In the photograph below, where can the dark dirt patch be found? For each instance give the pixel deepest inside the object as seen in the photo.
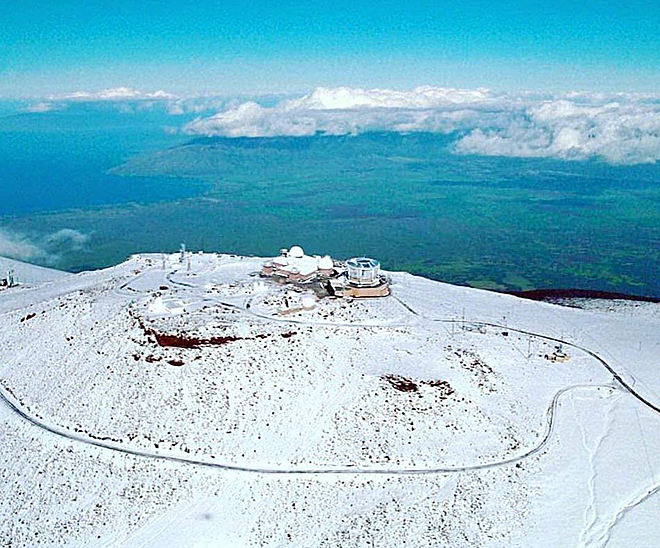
(183, 341)
(178, 363)
(179, 340)
(443, 386)
(404, 384)
(28, 317)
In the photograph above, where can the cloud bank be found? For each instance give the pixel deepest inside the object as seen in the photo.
(114, 94)
(616, 128)
(130, 100)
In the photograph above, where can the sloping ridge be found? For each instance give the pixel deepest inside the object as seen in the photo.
(30, 273)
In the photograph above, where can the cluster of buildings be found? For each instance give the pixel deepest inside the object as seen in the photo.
(357, 277)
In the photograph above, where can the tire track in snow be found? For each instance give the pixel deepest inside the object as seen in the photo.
(606, 535)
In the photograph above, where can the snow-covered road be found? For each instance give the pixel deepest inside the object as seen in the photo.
(292, 431)
(550, 426)
(123, 289)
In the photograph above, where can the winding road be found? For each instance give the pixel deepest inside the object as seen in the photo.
(551, 411)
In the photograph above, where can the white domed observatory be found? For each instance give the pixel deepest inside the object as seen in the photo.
(296, 252)
(357, 277)
(325, 265)
(293, 266)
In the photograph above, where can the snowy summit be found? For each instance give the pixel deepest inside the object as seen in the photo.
(187, 400)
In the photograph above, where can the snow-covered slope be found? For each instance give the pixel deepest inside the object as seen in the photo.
(26, 273)
(155, 404)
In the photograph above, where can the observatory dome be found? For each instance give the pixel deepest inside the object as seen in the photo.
(325, 263)
(296, 252)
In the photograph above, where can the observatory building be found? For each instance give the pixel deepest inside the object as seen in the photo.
(357, 277)
(294, 266)
(363, 271)
(363, 279)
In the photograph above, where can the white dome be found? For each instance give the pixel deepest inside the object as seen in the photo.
(325, 263)
(296, 252)
(308, 303)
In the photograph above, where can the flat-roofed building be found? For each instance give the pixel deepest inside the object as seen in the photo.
(294, 266)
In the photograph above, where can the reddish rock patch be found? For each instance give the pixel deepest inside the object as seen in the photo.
(184, 341)
(443, 386)
(402, 384)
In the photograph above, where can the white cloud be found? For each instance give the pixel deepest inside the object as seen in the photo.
(42, 106)
(118, 93)
(129, 100)
(68, 237)
(623, 131)
(46, 249)
(18, 246)
(618, 128)
(76, 95)
(350, 110)
(160, 94)
(115, 94)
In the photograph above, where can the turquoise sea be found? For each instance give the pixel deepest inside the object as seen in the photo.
(129, 184)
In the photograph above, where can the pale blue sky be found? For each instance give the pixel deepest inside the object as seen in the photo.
(257, 47)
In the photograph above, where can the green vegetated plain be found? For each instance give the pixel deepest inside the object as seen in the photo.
(496, 223)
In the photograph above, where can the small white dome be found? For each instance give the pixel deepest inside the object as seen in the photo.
(308, 303)
(296, 252)
(325, 263)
